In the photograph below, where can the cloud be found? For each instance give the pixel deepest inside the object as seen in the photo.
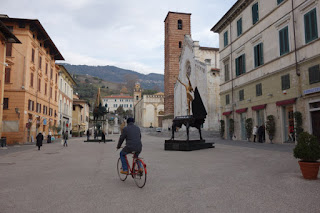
(128, 34)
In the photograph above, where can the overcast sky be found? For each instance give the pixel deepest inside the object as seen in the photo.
(124, 33)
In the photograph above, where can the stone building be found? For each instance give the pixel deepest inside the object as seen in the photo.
(201, 65)
(149, 110)
(6, 40)
(112, 102)
(31, 81)
(176, 25)
(66, 84)
(269, 54)
(80, 116)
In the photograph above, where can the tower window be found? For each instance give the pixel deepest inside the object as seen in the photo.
(179, 24)
(137, 98)
(180, 44)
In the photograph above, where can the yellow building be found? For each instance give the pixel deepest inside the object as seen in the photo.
(6, 38)
(31, 82)
(80, 116)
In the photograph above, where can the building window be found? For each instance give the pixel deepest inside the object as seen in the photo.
(225, 38)
(227, 99)
(51, 73)
(32, 56)
(180, 44)
(241, 95)
(255, 13)
(314, 74)
(284, 41)
(285, 82)
(9, 49)
(46, 68)
(258, 55)
(40, 62)
(39, 85)
(259, 89)
(6, 103)
(56, 78)
(310, 25)
(31, 80)
(179, 24)
(55, 95)
(226, 72)
(240, 65)
(239, 27)
(137, 98)
(279, 1)
(50, 92)
(7, 75)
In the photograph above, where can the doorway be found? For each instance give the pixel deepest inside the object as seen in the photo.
(243, 126)
(288, 123)
(315, 118)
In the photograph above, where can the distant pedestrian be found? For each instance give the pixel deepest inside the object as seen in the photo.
(39, 140)
(254, 132)
(49, 136)
(88, 135)
(103, 137)
(65, 137)
(260, 134)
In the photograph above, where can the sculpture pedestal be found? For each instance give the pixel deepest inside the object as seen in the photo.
(184, 145)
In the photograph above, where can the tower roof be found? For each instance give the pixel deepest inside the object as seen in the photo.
(176, 13)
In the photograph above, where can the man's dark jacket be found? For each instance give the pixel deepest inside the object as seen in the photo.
(132, 135)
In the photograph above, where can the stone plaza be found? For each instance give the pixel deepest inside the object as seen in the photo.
(235, 176)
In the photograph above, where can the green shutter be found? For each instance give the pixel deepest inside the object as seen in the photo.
(237, 66)
(243, 64)
(239, 27)
(279, 1)
(261, 53)
(310, 26)
(255, 13)
(255, 50)
(225, 38)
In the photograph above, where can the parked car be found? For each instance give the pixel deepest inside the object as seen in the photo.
(158, 129)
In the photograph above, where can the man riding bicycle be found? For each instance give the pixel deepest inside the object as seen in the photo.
(131, 133)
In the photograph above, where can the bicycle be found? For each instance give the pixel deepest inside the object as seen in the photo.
(138, 173)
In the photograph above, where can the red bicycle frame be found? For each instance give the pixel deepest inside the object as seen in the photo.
(134, 161)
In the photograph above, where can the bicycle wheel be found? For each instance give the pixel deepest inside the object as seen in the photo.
(140, 177)
(122, 177)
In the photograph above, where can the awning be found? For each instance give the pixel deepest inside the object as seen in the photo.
(241, 110)
(227, 113)
(286, 102)
(259, 107)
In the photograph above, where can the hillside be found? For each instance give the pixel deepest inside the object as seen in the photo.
(118, 75)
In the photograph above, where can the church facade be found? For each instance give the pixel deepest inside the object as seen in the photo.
(201, 66)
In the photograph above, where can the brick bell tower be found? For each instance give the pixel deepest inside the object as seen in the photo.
(176, 25)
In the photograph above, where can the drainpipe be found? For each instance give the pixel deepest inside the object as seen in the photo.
(295, 41)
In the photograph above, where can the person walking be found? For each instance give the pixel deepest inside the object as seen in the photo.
(65, 137)
(254, 132)
(39, 140)
(103, 137)
(49, 136)
(88, 134)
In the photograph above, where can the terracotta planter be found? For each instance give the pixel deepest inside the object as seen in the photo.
(309, 169)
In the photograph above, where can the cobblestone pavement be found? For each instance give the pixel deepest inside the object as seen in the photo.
(235, 176)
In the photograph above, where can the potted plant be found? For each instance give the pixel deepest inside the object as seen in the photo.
(249, 127)
(270, 126)
(222, 126)
(231, 128)
(308, 150)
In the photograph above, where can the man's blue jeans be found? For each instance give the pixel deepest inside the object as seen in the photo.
(124, 162)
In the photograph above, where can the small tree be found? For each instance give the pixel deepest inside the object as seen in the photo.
(270, 127)
(231, 128)
(298, 119)
(222, 127)
(249, 127)
(308, 148)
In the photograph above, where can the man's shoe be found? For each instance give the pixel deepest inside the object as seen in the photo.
(141, 170)
(124, 172)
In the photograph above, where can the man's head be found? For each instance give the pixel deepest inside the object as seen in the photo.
(130, 120)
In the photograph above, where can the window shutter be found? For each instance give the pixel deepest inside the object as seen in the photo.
(256, 56)
(255, 13)
(261, 53)
(243, 63)
(313, 22)
(237, 66)
(307, 27)
(9, 49)
(7, 75)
